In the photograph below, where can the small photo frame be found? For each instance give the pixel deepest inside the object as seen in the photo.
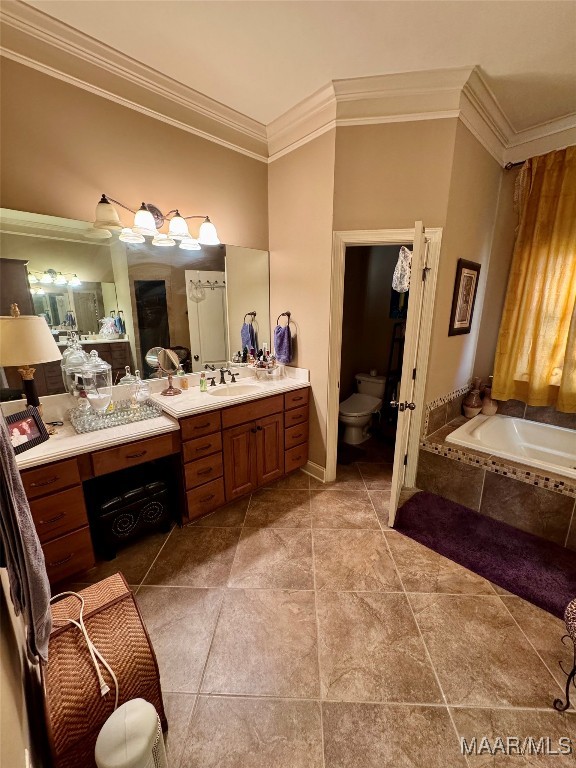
(26, 429)
(465, 288)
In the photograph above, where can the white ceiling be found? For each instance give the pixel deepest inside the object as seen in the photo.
(263, 57)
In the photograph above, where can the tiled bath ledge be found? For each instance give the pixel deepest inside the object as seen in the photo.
(491, 486)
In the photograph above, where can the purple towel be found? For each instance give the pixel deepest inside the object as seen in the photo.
(248, 336)
(283, 343)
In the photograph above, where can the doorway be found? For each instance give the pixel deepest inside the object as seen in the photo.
(425, 245)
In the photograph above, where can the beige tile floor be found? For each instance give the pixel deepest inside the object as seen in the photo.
(295, 629)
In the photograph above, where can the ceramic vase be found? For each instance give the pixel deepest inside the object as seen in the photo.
(472, 404)
(489, 406)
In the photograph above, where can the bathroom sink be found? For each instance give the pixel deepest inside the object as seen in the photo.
(234, 390)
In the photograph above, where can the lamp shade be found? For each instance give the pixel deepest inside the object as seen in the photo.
(207, 234)
(129, 236)
(26, 340)
(163, 241)
(190, 244)
(106, 215)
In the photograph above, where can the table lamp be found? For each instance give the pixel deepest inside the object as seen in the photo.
(26, 340)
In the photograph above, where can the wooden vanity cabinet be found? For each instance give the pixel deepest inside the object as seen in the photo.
(56, 499)
(253, 455)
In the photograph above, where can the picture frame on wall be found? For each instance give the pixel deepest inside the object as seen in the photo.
(26, 429)
(464, 297)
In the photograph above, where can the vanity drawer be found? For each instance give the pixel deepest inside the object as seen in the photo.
(113, 459)
(202, 471)
(206, 498)
(296, 416)
(59, 513)
(296, 436)
(204, 424)
(295, 457)
(257, 409)
(297, 398)
(50, 478)
(68, 555)
(202, 446)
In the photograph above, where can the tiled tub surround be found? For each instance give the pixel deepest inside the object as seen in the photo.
(294, 630)
(542, 504)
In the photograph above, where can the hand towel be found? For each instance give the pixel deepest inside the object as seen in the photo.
(283, 343)
(21, 554)
(248, 336)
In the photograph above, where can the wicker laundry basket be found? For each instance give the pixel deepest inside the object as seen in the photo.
(74, 709)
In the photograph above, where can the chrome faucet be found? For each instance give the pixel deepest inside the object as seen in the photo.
(209, 367)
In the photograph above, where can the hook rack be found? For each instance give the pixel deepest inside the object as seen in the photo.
(284, 314)
(251, 314)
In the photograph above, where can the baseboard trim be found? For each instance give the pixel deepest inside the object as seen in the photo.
(315, 470)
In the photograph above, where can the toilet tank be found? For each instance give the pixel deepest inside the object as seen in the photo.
(371, 385)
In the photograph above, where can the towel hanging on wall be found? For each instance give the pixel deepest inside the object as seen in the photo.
(401, 276)
(283, 340)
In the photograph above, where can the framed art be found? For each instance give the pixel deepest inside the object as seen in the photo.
(26, 429)
(465, 288)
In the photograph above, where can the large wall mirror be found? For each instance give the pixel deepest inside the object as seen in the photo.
(194, 302)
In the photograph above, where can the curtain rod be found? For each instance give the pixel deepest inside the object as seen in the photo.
(508, 166)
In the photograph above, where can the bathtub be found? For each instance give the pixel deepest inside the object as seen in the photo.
(542, 446)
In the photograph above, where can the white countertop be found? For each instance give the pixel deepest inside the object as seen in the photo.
(66, 442)
(87, 342)
(193, 401)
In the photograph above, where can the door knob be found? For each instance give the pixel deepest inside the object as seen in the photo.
(402, 406)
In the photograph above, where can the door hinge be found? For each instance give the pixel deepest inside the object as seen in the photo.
(413, 374)
(425, 271)
(405, 459)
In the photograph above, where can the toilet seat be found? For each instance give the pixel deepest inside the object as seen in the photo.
(359, 405)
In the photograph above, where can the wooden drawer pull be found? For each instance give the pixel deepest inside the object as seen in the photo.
(297, 458)
(297, 436)
(61, 562)
(296, 399)
(204, 447)
(206, 471)
(45, 482)
(202, 426)
(136, 455)
(207, 498)
(53, 519)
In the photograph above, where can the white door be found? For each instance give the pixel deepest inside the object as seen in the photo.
(405, 403)
(207, 318)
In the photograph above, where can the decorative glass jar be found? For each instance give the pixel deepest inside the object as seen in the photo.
(97, 382)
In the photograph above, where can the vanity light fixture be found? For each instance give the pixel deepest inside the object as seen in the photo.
(32, 278)
(74, 281)
(148, 219)
(51, 277)
(47, 278)
(60, 279)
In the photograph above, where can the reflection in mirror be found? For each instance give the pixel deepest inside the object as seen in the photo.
(191, 302)
(168, 361)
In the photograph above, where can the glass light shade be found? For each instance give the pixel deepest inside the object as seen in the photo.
(106, 215)
(190, 244)
(46, 278)
(98, 234)
(26, 340)
(178, 228)
(40, 292)
(144, 223)
(208, 234)
(32, 291)
(32, 278)
(163, 240)
(74, 281)
(129, 236)
(60, 279)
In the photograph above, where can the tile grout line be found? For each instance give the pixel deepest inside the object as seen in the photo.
(424, 644)
(317, 630)
(154, 560)
(529, 642)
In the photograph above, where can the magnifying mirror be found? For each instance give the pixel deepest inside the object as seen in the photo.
(167, 361)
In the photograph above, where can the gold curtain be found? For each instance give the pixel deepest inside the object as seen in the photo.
(536, 353)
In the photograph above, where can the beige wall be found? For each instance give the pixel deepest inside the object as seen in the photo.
(472, 204)
(497, 278)
(389, 176)
(62, 147)
(300, 195)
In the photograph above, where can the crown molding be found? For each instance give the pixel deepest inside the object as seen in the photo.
(35, 39)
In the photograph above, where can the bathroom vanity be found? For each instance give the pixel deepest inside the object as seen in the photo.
(223, 446)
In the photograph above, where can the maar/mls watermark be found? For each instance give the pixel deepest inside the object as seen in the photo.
(514, 745)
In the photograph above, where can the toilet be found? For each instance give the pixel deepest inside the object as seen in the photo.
(356, 411)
